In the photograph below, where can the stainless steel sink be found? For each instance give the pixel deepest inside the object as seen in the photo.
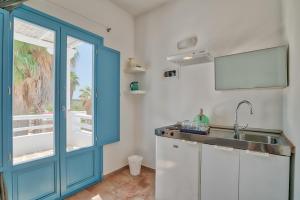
(266, 139)
(252, 139)
(255, 136)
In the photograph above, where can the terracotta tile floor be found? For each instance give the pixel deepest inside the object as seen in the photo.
(121, 186)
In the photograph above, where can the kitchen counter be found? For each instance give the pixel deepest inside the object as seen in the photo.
(278, 144)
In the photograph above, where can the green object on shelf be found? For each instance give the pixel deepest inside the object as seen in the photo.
(134, 86)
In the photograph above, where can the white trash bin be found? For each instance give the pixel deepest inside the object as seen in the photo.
(135, 163)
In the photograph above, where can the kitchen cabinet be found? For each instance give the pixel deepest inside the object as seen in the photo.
(264, 68)
(232, 174)
(263, 176)
(219, 173)
(177, 169)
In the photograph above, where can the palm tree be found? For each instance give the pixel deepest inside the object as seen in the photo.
(86, 98)
(75, 57)
(74, 83)
(33, 81)
(33, 78)
(25, 65)
(74, 79)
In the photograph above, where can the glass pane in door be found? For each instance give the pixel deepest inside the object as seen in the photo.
(80, 62)
(33, 91)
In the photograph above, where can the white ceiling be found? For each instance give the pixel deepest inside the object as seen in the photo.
(138, 7)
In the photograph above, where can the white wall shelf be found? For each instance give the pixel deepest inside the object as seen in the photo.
(136, 70)
(137, 92)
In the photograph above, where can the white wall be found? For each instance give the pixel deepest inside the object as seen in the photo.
(292, 93)
(120, 38)
(23, 144)
(222, 27)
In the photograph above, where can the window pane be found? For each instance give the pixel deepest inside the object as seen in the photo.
(33, 92)
(80, 62)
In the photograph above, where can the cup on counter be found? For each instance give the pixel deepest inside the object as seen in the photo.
(186, 124)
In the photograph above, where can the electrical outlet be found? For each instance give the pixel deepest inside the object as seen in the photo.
(170, 73)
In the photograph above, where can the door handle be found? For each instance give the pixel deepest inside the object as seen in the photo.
(96, 140)
(175, 146)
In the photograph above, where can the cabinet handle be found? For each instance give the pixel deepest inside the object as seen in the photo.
(255, 153)
(223, 148)
(175, 146)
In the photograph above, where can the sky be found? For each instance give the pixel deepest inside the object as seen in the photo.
(84, 67)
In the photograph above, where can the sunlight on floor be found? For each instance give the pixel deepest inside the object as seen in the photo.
(97, 197)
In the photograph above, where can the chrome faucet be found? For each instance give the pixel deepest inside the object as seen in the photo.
(236, 126)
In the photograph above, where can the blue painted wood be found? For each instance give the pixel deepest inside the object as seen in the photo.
(63, 103)
(36, 183)
(76, 171)
(78, 188)
(109, 105)
(75, 174)
(11, 172)
(2, 14)
(6, 104)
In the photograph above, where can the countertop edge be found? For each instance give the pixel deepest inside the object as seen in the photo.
(287, 149)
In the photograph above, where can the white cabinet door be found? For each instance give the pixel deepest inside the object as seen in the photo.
(177, 169)
(263, 176)
(219, 173)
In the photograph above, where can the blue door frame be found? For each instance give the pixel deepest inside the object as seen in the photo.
(62, 165)
(3, 62)
(4, 82)
(75, 174)
(19, 175)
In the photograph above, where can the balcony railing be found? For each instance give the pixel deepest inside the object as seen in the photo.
(35, 124)
(81, 122)
(33, 134)
(26, 124)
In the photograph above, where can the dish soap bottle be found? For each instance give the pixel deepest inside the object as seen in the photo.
(201, 119)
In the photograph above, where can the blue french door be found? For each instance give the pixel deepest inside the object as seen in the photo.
(80, 149)
(50, 105)
(32, 107)
(60, 97)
